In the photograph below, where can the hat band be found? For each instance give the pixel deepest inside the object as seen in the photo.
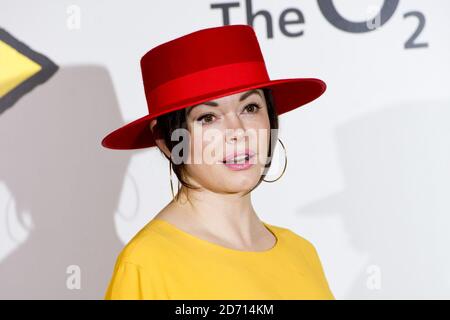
(205, 82)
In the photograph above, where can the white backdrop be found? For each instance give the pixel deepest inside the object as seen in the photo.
(368, 175)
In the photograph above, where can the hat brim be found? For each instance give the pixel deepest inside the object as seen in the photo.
(288, 94)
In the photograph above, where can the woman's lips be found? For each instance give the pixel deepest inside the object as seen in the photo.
(242, 165)
(231, 156)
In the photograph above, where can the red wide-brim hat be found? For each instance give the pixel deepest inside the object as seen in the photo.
(202, 66)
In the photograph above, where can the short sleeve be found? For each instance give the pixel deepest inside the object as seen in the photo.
(126, 282)
(317, 264)
(131, 281)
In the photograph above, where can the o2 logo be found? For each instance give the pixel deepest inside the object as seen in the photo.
(328, 10)
(385, 13)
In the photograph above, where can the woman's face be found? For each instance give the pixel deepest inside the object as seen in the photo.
(238, 123)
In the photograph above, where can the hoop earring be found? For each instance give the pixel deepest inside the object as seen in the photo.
(171, 184)
(285, 163)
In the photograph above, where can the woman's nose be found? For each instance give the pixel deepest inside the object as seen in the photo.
(235, 129)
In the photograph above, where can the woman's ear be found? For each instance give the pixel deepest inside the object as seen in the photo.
(153, 123)
(158, 139)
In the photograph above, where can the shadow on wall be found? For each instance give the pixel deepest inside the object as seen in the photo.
(396, 203)
(55, 168)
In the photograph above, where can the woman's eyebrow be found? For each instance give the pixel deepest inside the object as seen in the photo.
(244, 96)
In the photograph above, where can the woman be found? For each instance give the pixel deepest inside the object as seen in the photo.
(213, 113)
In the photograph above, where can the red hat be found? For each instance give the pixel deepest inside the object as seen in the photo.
(205, 65)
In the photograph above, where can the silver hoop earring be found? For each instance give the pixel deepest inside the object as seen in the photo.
(171, 184)
(285, 163)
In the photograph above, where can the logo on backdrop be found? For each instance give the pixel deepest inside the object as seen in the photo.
(378, 18)
(337, 20)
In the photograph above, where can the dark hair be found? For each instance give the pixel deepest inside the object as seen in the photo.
(169, 122)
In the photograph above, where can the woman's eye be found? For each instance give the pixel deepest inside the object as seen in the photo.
(253, 107)
(208, 118)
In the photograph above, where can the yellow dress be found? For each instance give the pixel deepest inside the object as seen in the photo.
(165, 262)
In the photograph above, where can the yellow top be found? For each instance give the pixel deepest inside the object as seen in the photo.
(165, 262)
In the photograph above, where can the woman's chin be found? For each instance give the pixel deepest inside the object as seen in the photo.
(241, 180)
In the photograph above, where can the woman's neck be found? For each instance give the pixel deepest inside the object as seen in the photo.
(230, 217)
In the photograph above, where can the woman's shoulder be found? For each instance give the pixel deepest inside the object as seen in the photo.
(295, 238)
(146, 247)
(138, 268)
(287, 231)
(299, 242)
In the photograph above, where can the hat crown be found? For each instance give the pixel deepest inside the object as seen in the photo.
(198, 51)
